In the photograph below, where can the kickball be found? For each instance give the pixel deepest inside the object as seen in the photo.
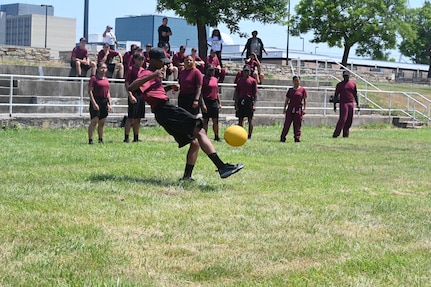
(235, 135)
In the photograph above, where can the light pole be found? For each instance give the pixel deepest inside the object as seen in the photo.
(302, 38)
(187, 42)
(46, 20)
(315, 49)
(288, 32)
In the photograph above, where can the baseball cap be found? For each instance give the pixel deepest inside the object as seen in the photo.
(346, 73)
(158, 54)
(82, 40)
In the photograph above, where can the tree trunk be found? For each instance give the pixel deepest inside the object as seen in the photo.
(202, 39)
(345, 55)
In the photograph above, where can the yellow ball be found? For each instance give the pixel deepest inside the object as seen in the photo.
(235, 135)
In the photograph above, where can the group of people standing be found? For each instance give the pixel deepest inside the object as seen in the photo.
(295, 106)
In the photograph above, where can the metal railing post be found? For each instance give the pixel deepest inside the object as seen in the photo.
(10, 95)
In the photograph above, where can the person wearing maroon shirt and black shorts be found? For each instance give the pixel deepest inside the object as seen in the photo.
(294, 109)
(80, 61)
(346, 90)
(182, 125)
(190, 80)
(100, 102)
(106, 55)
(136, 105)
(211, 104)
(245, 98)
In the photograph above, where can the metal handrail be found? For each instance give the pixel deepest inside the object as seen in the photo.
(415, 109)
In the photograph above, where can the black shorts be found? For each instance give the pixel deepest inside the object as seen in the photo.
(84, 67)
(103, 108)
(137, 110)
(245, 108)
(111, 67)
(178, 122)
(212, 109)
(185, 101)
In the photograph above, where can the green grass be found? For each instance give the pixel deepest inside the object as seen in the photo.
(324, 212)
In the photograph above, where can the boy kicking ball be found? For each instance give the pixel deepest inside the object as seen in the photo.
(179, 123)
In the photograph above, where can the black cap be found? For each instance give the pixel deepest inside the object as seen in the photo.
(159, 54)
(83, 39)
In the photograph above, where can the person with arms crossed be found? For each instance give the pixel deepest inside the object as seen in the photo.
(211, 104)
(245, 97)
(100, 102)
(136, 105)
(348, 95)
(183, 126)
(80, 61)
(164, 33)
(294, 110)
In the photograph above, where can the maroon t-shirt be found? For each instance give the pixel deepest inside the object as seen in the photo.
(246, 88)
(213, 61)
(152, 91)
(133, 73)
(112, 54)
(347, 91)
(178, 58)
(79, 53)
(210, 88)
(100, 86)
(296, 97)
(189, 80)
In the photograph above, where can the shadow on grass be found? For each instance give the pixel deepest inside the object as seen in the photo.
(152, 181)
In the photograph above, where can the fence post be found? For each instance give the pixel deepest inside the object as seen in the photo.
(10, 95)
(81, 105)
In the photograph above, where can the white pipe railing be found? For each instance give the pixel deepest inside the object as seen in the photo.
(418, 107)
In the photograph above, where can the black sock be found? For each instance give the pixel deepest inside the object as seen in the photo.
(188, 170)
(216, 160)
(135, 138)
(90, 141)
(126, 137)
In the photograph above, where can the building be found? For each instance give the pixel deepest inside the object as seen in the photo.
(144, 29)
(34, 25)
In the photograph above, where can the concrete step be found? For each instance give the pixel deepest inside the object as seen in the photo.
(114, 119)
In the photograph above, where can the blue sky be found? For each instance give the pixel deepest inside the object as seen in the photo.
(103, 12)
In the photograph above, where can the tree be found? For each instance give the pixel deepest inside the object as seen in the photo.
(371, 24)
(207, 12)
(416, 36)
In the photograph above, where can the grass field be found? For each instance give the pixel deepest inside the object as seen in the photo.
(323, 212)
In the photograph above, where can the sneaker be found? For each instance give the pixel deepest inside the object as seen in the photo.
(90, 141)
(217, 139)
(282, 140)
(101, 141)
(297, 140)
(229, 169)
(187, 178)
(137, 141)
(126, 140)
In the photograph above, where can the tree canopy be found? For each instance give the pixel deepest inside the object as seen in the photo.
(371, 24)
(416, 43)
(230, 12)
